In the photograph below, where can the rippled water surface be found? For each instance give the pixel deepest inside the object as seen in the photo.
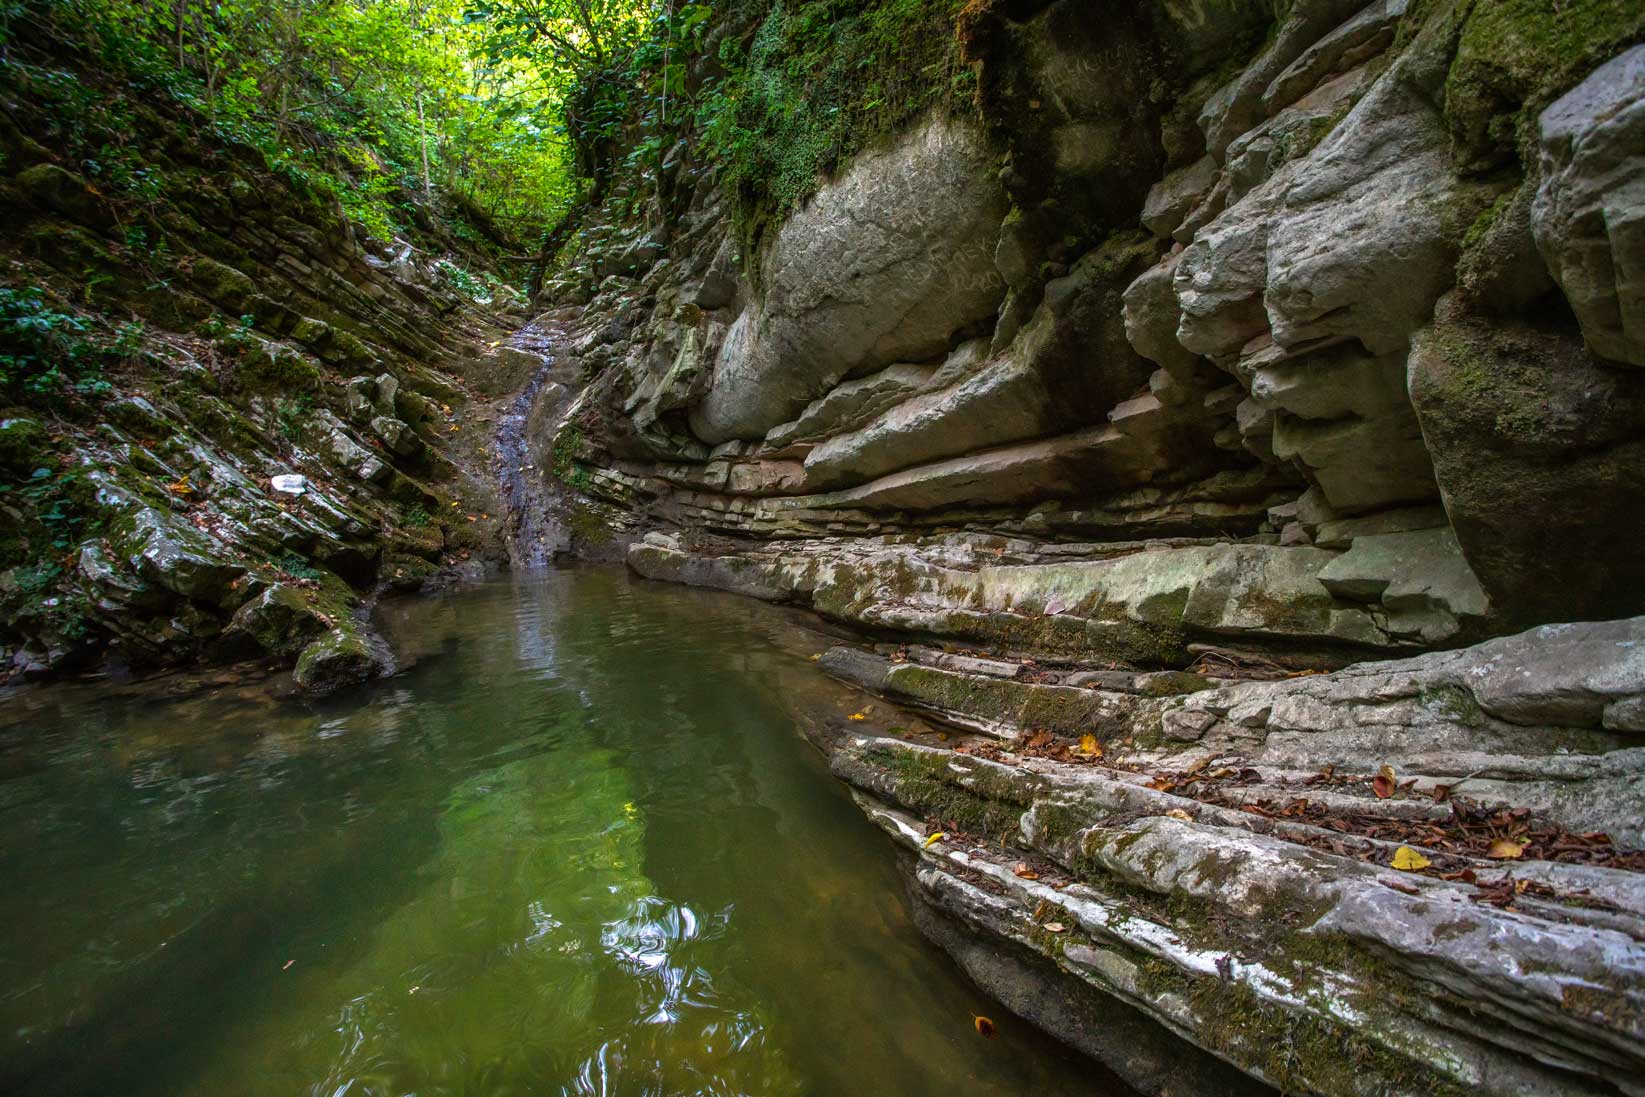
(578, 848)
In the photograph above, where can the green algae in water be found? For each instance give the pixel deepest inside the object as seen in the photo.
(577, 848)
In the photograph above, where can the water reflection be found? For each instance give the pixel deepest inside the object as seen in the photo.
(576, 849)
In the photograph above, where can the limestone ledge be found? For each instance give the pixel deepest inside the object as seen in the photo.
(1131, 602)
(1290, 950)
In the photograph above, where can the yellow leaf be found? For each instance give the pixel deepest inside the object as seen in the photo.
(859, 716)
(1090, 746)
(1506, 849)
(815, 657)
(984, 1026)
(1178, 813)
(933, 840)
(1407, 859)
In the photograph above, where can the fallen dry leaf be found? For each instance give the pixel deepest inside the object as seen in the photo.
(933, 840)
(1089, 746)
(858, 716)
(984, 1027)
(1506, 849)
(1407, 859)
(1054, 927)
(1022, 870)
(1178, 813)
(1384, 783)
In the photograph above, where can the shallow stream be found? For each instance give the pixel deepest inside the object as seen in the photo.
(579, 847)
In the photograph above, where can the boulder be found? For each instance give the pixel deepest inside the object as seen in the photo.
(340, 448)
(1070, 363)
(847, 290)
(1152, 315)
(1419, 577)
(61, 191)
(340, 658)
(1366, 34)
(222, 285)
(1240, 105)
(1368, 233)
(280, 620)
(851, 404)
(22, 440)
(1539, 454)
(1589, 213)
(397, 436)
(1172, 197)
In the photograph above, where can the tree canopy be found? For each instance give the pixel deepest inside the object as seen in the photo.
(467, 101)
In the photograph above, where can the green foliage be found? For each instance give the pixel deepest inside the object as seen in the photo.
(482, 288)
(233, 338)
(296, 567)
(290, 413)
(381, 106)
(58, 513)
(47, 354)
(416, 517)
(819, 81)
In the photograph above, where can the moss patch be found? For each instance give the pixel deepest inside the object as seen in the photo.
(1514, 57)
(818, 81)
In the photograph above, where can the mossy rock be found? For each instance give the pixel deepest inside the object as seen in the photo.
(278, 368)
(63, 192)
(222, 284)
(407, 573)
(1514, 57)
(280, 620)
(23, 442)
(340, 658)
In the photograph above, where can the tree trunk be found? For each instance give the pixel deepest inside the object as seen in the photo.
(422, 144)
(553, 241)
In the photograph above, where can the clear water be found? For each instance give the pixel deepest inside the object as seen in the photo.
(578, 848)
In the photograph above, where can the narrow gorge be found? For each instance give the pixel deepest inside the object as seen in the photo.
(1197, 445)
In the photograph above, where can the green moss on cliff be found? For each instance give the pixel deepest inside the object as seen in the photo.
(818, 81)
(1514, 57)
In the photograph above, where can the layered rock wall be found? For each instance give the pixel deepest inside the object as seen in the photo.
(276, 432)
(1209, 346)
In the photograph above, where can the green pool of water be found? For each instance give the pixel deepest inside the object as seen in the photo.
(577, 848)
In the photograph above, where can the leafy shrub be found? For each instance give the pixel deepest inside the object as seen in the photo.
(45, 353)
